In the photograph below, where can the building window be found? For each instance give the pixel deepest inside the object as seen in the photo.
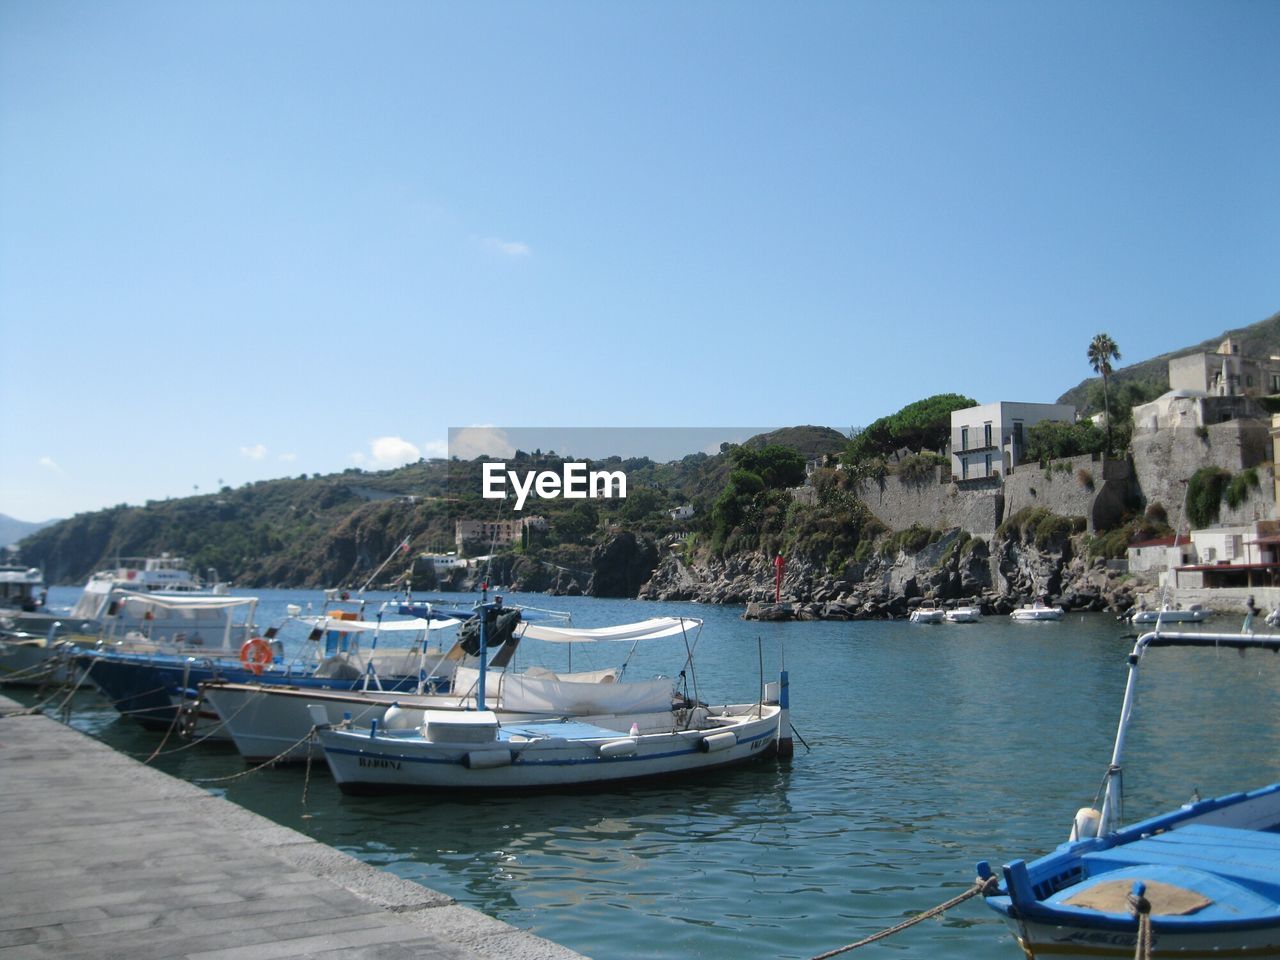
(988, 462)
(986, 435)
(964, 468)
(964, 437)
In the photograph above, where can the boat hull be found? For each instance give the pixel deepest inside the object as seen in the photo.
(153, 689)
(581, 759)
(1211, 871)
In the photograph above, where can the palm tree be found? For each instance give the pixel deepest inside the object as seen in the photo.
(1101, 352)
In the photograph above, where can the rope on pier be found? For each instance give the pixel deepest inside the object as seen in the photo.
(266, 763)
(980, 886)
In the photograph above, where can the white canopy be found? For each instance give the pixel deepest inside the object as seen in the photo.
(418, 624)
(577, 694)
(186, 601)
(644, 630)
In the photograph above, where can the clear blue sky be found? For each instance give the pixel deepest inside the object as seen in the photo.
(243, 240)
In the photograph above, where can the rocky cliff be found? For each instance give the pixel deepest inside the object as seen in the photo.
(955, 568)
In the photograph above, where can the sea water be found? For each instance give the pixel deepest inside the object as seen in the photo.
(925, 749)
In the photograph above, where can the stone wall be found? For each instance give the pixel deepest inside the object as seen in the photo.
(1095, 489)
(979, 506)
(1163, 459)
(976, 506)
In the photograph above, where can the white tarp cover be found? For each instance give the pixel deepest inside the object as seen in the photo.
(543, 694)
(386, 626)
(185, 601)
(644, 630)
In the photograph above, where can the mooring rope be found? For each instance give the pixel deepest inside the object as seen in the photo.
(980, 886)
(1140, 907)
(266, 763)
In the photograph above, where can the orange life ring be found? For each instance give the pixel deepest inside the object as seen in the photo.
(256, 654)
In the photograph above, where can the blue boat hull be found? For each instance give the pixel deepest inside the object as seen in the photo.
(1210, 872)
(153, 689)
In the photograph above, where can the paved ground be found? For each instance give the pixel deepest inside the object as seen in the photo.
(104, 858)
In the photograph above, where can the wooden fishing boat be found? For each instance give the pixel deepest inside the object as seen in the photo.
(1199, 881)
(479, 751)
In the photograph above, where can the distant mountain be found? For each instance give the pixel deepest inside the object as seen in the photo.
(1261, 339)
(11, 530)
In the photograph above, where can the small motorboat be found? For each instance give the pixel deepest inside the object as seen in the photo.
(1202, 880)
(927, 613)
(1193, 613)
(1031, 612)
(967, 614)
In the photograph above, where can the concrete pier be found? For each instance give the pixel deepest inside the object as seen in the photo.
(103, 857)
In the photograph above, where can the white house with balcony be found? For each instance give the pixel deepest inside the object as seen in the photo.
(990, 440)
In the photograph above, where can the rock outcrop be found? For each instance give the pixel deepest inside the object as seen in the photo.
(954, 569)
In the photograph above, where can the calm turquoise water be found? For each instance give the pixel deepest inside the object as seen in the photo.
(932, 747)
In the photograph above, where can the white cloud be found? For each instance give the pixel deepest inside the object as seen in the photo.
(48, 463)
(288, 457)
(387, 452)
(257, 452)
(435, 448)
(467, 443)
(515, 249)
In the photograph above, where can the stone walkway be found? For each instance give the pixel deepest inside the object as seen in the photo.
(108, 859)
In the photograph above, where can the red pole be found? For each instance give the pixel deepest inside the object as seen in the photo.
(778, 564)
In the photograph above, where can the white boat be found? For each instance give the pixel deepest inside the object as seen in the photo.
(1199, 881)
(109, 609)
(966, 614)
(21, 589)
(1194, 613)
(1036, 611)
(151, 676)
(476, 751)
(271, 722)
(926, 613)
(163, 575)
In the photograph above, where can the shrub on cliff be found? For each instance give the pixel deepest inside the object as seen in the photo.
(1205, 491)
(1039, 526)
(919, 469)
(923, 425)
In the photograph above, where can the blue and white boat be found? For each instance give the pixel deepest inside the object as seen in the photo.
(151, 675)
(1200, 881)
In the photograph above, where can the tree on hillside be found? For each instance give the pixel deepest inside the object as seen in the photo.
(1102, 350)
(923, 425)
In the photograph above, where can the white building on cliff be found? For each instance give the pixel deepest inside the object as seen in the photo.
(989, 440)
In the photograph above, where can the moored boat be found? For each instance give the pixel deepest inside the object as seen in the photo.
(926, 613)
(1193, 613)
(1202, 880)
(964, 614)
(272, 722)
(153, 676)
(1031, 612)
(476, 751)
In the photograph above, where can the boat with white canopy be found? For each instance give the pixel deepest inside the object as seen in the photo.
(480, 750)
(271, 722)
(153, 674)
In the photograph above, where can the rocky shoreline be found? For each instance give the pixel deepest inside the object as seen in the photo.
(954, 570)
